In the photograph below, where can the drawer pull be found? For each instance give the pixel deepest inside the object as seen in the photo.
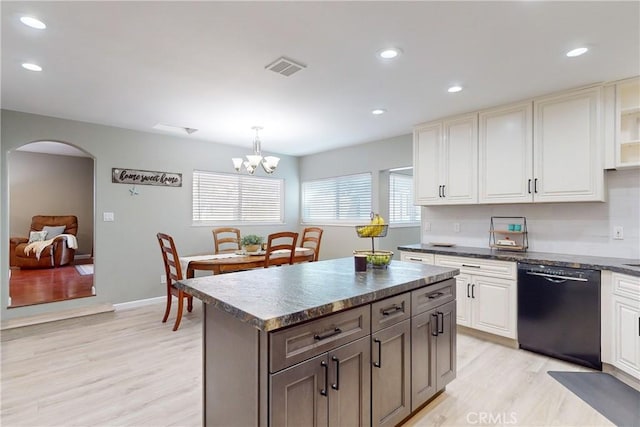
(378, 364)
(415, 259)
(435, 295)
(328, 334)
(471, 265)
(391, 310)
(336, 386)
(323, 391)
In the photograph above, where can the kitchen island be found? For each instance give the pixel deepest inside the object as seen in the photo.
(317, 343)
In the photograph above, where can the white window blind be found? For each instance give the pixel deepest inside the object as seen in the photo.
(344, 199)
(401, 208)
(219, 197)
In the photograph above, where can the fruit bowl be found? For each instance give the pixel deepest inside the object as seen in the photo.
(372, 230)
(377, 259)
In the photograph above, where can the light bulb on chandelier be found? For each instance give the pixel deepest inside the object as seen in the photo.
(268, 163)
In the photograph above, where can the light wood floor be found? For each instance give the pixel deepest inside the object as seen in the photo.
(128, 369)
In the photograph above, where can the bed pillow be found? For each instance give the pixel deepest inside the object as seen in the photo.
(37, 236)
(53, 231)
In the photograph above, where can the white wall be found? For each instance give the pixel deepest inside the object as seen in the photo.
(573, 228)
(375, 157)
(128, 263)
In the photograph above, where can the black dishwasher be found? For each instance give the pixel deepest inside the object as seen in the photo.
(559, 312)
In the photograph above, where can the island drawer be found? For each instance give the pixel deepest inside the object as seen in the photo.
(293, 345)
(390, 311)
(429, 297)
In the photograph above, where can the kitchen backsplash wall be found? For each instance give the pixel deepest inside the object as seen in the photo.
(573, 228)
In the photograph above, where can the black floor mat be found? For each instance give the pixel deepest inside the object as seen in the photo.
(618, 402)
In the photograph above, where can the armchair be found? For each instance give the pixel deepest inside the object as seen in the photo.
(57, 254)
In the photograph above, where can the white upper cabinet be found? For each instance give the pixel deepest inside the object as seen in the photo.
(568, 148)
(627, 137)
(506, 154)
(446, 161)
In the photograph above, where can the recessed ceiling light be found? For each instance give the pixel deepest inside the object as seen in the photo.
(378, 111)
(33, 23)
(389, 53)
(577, 52)
(454, 89)
(31, 67)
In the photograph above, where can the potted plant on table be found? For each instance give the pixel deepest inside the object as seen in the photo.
(251, 242)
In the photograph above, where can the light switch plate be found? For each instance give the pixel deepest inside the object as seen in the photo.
(108, 216)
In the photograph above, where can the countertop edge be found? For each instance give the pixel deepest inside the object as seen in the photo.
(312, 313)
(528, 257)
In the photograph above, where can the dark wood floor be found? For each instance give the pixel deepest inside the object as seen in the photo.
(37, 286)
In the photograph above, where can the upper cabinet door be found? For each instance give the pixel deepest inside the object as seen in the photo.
(460, 160)
(427, 141)
(568, 164)
(506, 154)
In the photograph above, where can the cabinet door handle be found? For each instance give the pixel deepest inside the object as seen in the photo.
(435, 295)
(443, 193)
(440, 322)
(535, 185)
(378, 364)
(529, 186)
(336, 385)
(324, 365)
(434, 322)
(391, 310)
(439, 190)
(473, 288)
(328, 334)
(468, 286)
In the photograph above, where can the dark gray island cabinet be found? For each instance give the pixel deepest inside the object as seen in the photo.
(318, 344)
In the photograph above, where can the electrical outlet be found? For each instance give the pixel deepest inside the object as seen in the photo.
(456, 227)
(427, 226)
(618, 232)
(163, 278)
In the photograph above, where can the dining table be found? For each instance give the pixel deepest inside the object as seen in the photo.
(230, 262)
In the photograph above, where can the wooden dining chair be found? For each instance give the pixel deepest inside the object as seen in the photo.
(311, 238)
(285, 240)
(228, 237)
(173, 273)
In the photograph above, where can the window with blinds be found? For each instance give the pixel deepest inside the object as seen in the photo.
(219, 197)
(401, 208)
(343, 199)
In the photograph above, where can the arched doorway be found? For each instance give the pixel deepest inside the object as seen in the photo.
(54, 179)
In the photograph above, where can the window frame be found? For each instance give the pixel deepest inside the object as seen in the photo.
(397, 224)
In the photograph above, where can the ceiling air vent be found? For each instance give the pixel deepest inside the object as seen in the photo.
(285, 66)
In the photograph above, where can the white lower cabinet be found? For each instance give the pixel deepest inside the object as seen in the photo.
(417, 257)
(621, 327)
(486, 294)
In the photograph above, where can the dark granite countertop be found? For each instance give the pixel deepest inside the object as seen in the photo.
(561, 260)
(272, 298)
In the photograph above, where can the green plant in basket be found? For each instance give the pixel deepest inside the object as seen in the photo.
(251, 242)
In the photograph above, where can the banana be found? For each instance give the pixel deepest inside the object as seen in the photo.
(377, 228)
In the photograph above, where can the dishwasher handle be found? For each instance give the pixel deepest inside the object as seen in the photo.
(559, 279)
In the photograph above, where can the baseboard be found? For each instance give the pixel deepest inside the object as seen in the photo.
(507, 342)
(53, 317)
(139, 303)
(629, 380)
(82, 256)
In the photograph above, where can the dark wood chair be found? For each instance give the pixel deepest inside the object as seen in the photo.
(311, 238)
(285, 240)
(228, 237)
(173, 273)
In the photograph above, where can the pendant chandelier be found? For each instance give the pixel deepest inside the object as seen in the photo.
(269, 163)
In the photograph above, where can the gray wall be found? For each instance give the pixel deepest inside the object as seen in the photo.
(375, 157)
(574, 228)
(45, 184)
(128, 264)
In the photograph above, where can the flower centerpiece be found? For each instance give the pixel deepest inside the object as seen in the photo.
(251, 242)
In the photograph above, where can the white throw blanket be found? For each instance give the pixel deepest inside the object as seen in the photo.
(38, 247)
